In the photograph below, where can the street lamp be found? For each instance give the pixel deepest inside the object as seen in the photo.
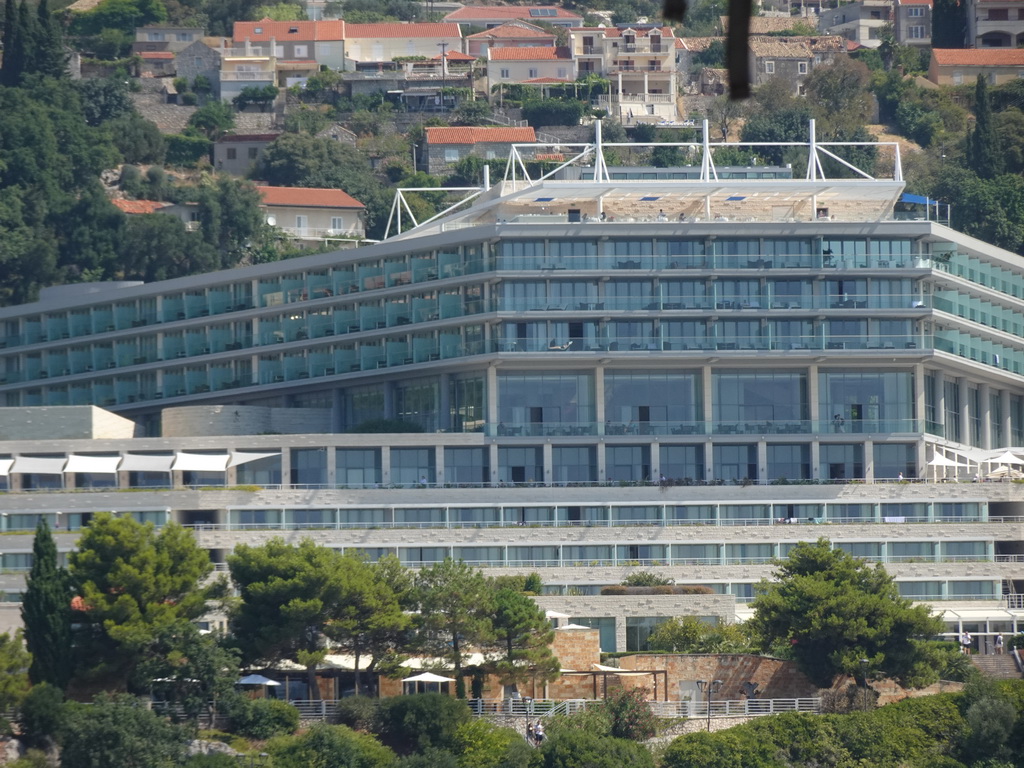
(709, 688)
(864, 674)
(444, 70)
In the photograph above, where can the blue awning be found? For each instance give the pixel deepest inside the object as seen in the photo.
(918, 199)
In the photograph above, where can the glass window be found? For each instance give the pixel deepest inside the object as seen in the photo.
(682, 464)
(358, 467)
(466, 466)
(867, 401)
(416, 402)
(628, 463)
(545, 403)
(789, 462)
(468, 406)
(606, 625)
(752, 396)
(895, 460)
(842, 462)
(412, 466)
(734, 463)
(639, 628)
(309, 466)
(266, 471)
(521, 465)
(573, 464)
(653, 403)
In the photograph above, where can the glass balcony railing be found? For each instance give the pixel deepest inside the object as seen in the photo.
(753, 426)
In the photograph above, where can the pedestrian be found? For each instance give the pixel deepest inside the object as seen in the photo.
(999, 644)
(900, 478)
(538, 732)
(529, 733)
(965, 643)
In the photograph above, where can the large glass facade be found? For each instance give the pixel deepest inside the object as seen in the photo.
(573, 464)
(857, 401)
(759, 401)
(682, 463)
(521, 465)
(651, 402)
(358, 467)
(735, 463)
(842, 462)
(546, 403)
(466, 466)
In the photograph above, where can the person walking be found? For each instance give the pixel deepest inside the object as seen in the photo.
(538, 733)
(529, 733)
(999, 644)
(965, 643)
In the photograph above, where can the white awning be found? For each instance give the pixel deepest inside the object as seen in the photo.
(200, 462)
(141, 462)
(105, 465)
(243, 458)
(5, 467)
(29, 465)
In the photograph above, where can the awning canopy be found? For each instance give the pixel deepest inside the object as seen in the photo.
(1006, 458)
(144, 462)
(200, 462)
(104, 465)
(941, 461)
(5, 467)
(31, 465)
(256, 680)
(428, 677)
(244, 458)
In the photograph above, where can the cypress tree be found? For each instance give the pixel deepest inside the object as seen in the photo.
(982, 143)
(46, 611)
(10, 73)
(26, 41)
(49, 53)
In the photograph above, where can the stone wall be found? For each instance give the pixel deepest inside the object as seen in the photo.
(210, 420)
(63, 422)
(775, 678)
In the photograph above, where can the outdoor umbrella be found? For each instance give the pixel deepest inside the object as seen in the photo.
(428, 680)
(941, 461)
(256, 680)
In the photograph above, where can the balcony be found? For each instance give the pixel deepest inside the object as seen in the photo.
(255, 75)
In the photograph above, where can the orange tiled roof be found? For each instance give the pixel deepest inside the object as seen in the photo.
(979, 57)
(529, 53)
(472, 13)
(512, 29)
(308, 197)
(480, 135)
(138, 206)
(157, 54)
(263, 30)
(455, 56)
(397, 30)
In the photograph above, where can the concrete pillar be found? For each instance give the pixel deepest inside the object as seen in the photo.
(869, 460)
(1004, 407)
(546, 454)
(332, 466)
(940, 401)
(965, 409)
(385, 464)
(439, 465)
(920, 400)
(286, 468)
(985, 401)
(491, 398)
(599, 400)
(813, 398)
(762, 461)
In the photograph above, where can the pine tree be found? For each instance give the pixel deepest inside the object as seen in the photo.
(46, 611)
(982, 143)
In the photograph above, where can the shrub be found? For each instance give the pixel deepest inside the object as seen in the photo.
(582, 749)
(358, 712)
(331, 745)
(418, 722)
(262, 718)
(552, 112)
(188, 99)
(187, 150)
(42, 715)
(631, 715)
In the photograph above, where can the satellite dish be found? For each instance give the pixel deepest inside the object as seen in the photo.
(272, 221)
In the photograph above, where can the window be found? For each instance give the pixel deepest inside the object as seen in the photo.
(562, 72)
(916, 32)
(301, 51)
(915, 11)
(337, 223)
(451, 155)
(183, 37)
(253, 153)
(232, 153)
(998, 14)
(801, 67)
(504, 73)
(154, 37)
(532, 72)
(769, 67)
(301, 222)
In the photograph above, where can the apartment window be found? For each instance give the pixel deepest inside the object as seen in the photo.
(253, 153)
(916, 32)
(232, 153)
(183, 37)
(451, 155)
(562, 72)
(504, 74)
(301, 51)
(337, 223)
(154, 37)
(915, 11)
(769, 67)
(532, 72)
(998, 14)
(801, 67)
(301, 222)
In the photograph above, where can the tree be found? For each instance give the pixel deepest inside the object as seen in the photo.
(121, 731)
(51, 60)
(134, 583)
(582, 749)
(261, 96)
(456, 604)
(137, 139)
(832, 610)
(46, 613)
(288, 595)
(983, 155)
(280, 12)
(840, 91)
(688, 634)
(422, 722)
(14, 664)
(645, 579)
(631, 716)
(230, 218)
(372, 619)
(523, 637)
(212, 120)
(104, 99)
(121, 15)
(10, 72)
(949, 24)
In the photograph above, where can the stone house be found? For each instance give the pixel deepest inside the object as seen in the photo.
(442, 148)
(165, 37)
(912, 22)
(790, 59)
(203, 57)
(238, 154)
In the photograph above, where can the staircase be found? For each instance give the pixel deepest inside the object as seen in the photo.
(1001, 666)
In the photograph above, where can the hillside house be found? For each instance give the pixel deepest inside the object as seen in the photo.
(442, 148)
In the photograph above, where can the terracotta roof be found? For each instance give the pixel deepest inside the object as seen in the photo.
(512, 29)
(780, 48)
(396, 30)
(979, 57)
(138, 206)
(263, 30)
(697, 44)
(455, 56)
(471, 13)
(763, 25)
(472, 135)
(529, 53)
(240, 137)
(827, 43)
(157, 54)
(308, 197)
